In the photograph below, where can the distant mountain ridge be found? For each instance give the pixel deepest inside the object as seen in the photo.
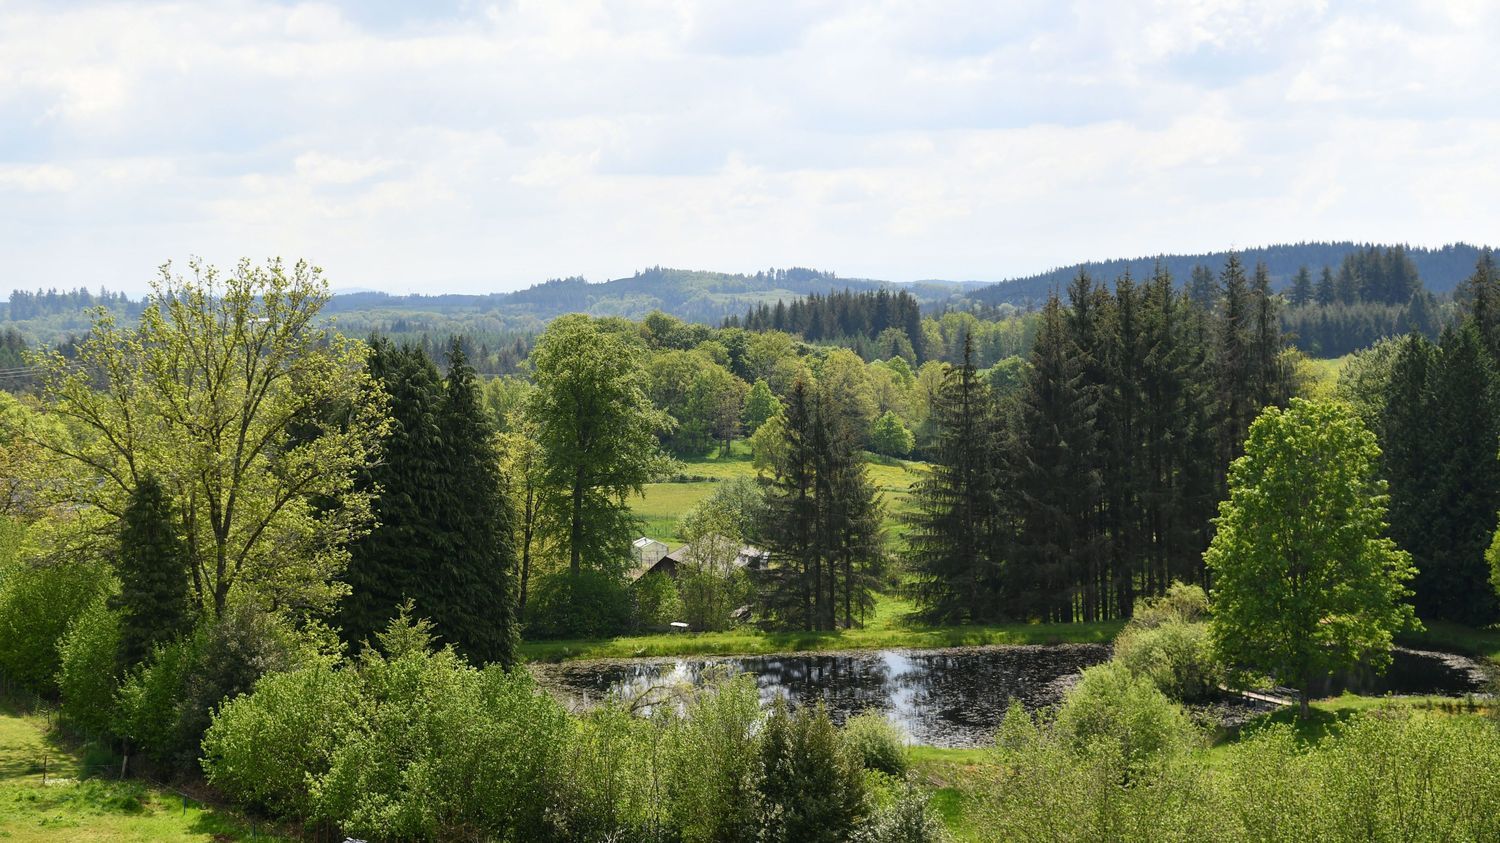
(1441, 268)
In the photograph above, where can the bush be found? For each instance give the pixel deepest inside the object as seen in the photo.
(1177, 657)
(1111, 706)
(877, 742)
(591, 604)
(401, 744)
(908, 819)
(88, 675)
(811, 787)
(712, 761)
(1182, 603)
(657, 603)
(37, 603)
(264, 747)
(169, 701)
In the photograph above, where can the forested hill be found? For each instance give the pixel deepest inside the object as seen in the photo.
(1441, 268)
(694, 295)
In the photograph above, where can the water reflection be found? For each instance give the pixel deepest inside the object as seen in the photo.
(950, 698)
(940, 697)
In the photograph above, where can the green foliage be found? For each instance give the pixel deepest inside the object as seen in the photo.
(153, 567)
(1168, 641)
(264, 748)
(910, 818)
(760, 405)
(1115, 711)
(37, 604)
(255, 416)
(168, 702)
(444, 539)
(411, 745)
(890, 437)
(597, 431)
(1304, 582)
(811, 786)
(877, 742)
(588, 604)
(1178, 657)
(88, 672)
(713, 761)
(656, 602)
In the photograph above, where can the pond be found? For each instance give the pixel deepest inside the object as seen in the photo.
(949, 697)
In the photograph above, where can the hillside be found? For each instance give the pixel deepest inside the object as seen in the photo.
(1441, 269)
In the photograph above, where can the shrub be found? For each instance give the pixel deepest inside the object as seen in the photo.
(1043, 788)
(591, 604)
(610, 788)
(1182, 603)
(908, 819)
(811, 787)
(263, 748)
(88, 676)
(656, 600)
(876, 742)
(168, 702)
(712, 761)
(37, 603)
(1111, 706)
(1178, 657)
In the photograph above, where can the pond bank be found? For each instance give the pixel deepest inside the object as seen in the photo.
(749, 642)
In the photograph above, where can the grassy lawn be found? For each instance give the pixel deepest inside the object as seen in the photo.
(887, 626)
(1479, 643)
(661, 504)
(70, 807)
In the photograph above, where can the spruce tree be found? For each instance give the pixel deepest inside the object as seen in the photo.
(1302, 288)
(153, 569)
(1466, 426)
(1235, 370)
(397, 559)
(476, 605)
(789, 530)
(954, 539)
(1056, 481)
(1327, 292)
(1410, 456)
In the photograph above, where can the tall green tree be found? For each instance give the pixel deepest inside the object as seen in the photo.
(1465, 427)
(256, 417)
(761, 404)
(597, 431)
(476, 609)
(1411, 456)
(956, 540)
(1305, 583)
(1327, 291)
(1054, 477)
(1302, 288)
(398, 560)
(154, 601)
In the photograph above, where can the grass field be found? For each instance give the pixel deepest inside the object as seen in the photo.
(70, 806)
(662, 504)
(889, 625)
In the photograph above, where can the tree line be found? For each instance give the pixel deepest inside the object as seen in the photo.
(1095, 480)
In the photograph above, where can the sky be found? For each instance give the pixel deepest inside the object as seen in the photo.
(483, 147)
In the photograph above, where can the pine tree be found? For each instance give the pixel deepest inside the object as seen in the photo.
(153, 569)
(1327, 292)
(1273, 379)
(476, 605)
(1302, 288)
(396, 560)
(789, 530)
(1055, 480)
(955, 529)
(1203, 289)
(1235, 371)
(1466, 424)
(1410, 457)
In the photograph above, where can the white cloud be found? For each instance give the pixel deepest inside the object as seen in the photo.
(490, 146)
